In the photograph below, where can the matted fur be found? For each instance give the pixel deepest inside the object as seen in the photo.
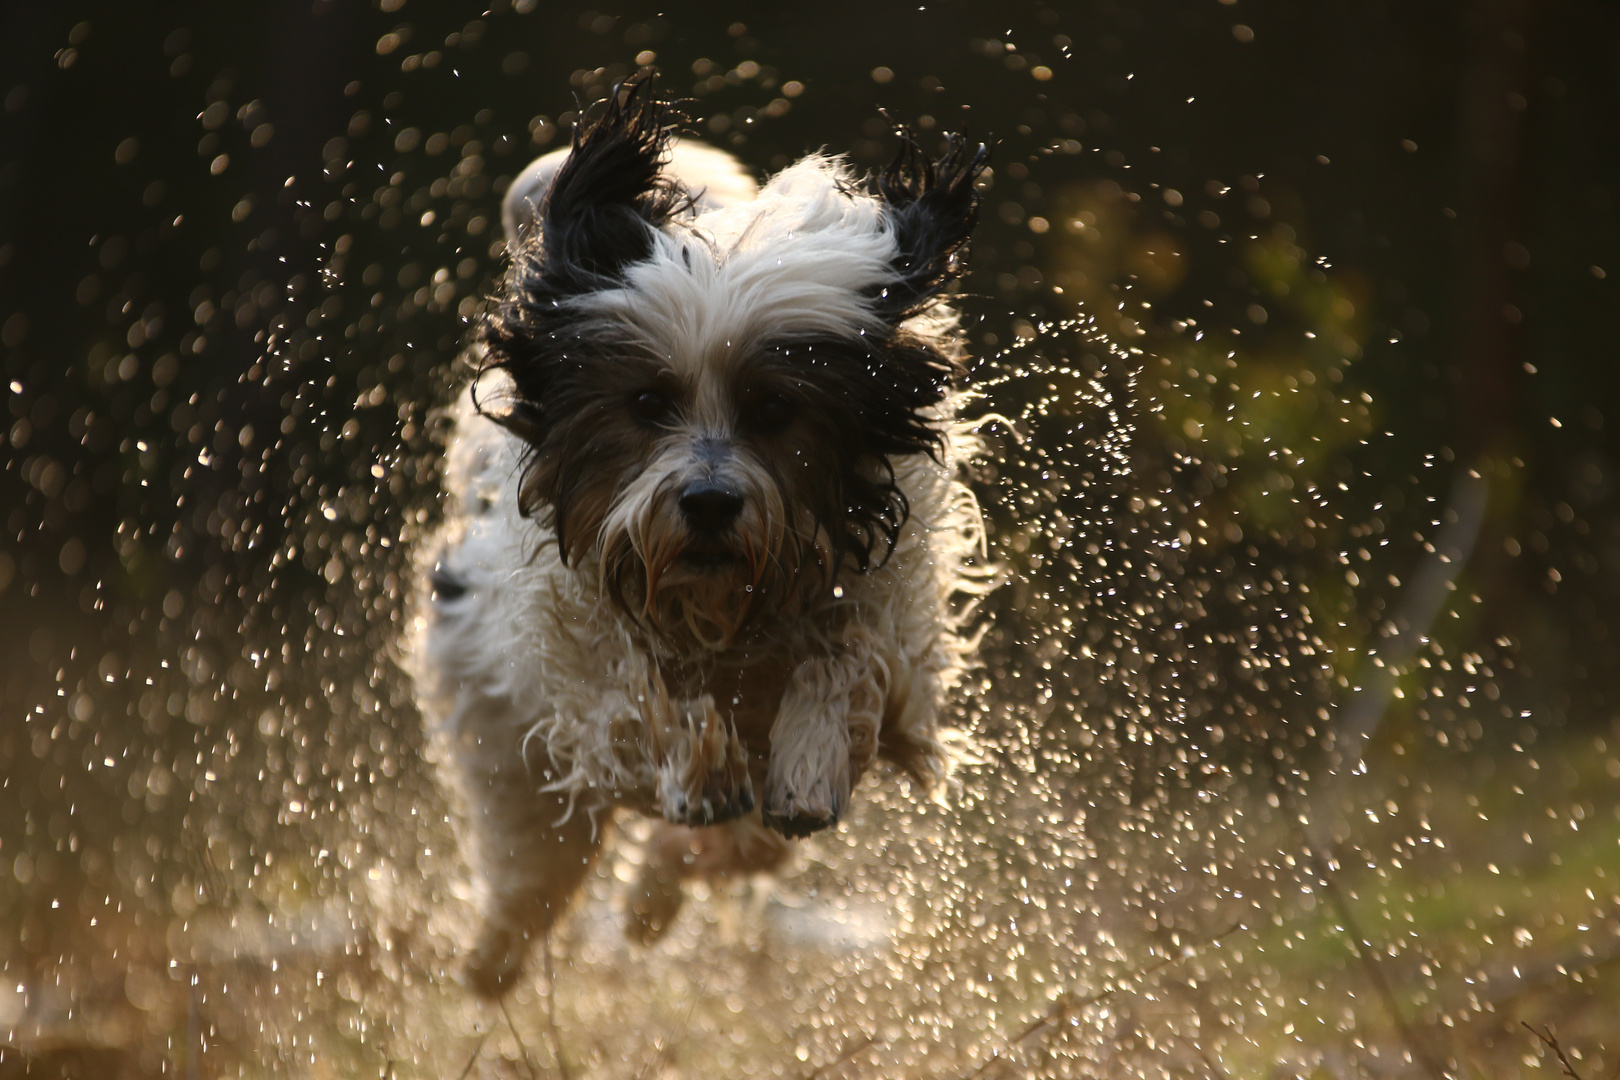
(531, 629)
(663, 346)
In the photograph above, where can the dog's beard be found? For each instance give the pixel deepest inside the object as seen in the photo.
(697, 591)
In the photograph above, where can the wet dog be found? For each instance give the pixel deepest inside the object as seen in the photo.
(706, 553)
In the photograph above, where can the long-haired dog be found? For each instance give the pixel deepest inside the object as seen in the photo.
(706, 554)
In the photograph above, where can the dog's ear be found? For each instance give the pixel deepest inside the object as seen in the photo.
(932, 207)
(609, 191)
(596, 217)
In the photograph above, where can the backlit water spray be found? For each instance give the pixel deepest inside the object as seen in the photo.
(1251, 793)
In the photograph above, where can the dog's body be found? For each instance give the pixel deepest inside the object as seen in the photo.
(705, 544)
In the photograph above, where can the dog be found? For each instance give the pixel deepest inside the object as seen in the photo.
(706, 553)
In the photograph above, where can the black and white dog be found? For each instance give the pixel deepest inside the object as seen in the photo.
(706, 553)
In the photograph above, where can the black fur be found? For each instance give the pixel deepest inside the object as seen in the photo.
(865, 402)
(933, 207)
(610, 192)
(597, 219)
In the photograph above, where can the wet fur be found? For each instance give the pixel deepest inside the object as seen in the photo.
(586, 645)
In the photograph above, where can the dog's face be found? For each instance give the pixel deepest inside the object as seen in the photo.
(714, 401)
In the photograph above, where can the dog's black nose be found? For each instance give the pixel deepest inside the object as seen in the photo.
(709, 507)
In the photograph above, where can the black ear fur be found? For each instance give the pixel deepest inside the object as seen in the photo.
(609, 190)
(596, 218)
(932, 209)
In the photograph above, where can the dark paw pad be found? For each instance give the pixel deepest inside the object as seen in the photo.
(719, 801)
(795, 820)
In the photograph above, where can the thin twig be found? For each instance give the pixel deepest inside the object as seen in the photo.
(654, 1053)
(1360, 945)
(479, 1049)
(864, 1043)
(553, 1034)
(1213, 1066)
(522, 1049)
(1550, 1038)
(657, 1050)
(1066, 1006)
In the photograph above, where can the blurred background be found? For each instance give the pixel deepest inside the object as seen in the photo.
(1295, 338)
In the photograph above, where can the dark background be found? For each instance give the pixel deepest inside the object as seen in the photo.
(240, 243)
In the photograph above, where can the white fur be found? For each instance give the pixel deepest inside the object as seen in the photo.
(794, 260)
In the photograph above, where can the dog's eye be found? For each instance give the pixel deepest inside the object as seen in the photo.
(772, 412)
(650, 406)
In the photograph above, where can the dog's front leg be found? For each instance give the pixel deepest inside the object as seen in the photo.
(824, 737)
(701, 764)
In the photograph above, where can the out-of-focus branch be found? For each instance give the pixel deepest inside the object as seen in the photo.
(1420, 605)
(1360, 717)
(1489, 130)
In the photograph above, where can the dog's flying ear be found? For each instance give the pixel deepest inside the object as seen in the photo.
(932, 208)
(596, 215)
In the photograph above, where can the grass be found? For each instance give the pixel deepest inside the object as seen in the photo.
(1027, 934)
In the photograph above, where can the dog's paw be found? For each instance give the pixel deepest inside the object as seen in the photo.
(497, 961)
(799, 813)
(703, 779)
(807, 787)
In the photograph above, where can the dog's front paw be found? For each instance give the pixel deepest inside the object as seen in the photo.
(703, 779)
(795, 812)
(806, 788)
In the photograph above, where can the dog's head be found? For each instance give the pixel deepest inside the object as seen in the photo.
(714, 398)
